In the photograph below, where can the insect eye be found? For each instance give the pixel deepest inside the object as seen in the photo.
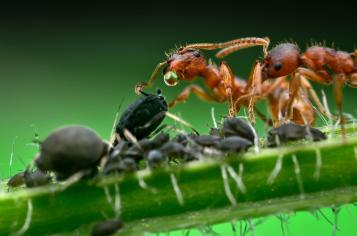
(277, 66)
(196, 53)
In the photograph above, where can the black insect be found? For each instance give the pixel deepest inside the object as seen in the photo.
(292, 132)
(143, 116)
(126, 165)
(156, 159)
(69, 150)
(17, 180)
(236, 127)
(29, 178)
(206, 140)
(106, 228)
(36, 178)
(234, 144)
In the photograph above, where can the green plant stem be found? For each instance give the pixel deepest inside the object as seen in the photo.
(306, 181)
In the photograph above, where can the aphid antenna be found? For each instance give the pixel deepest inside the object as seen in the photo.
(321, 116)
(213, 118)
(12, 155)
(112, 132)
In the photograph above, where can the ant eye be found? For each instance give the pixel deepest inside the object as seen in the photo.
(277, 66)
(196, 54)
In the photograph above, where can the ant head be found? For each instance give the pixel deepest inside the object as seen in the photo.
(184, 64)
(282, 60)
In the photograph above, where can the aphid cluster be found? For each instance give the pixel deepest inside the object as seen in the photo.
(140, 142)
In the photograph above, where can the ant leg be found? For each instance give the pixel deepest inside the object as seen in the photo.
(312, 75)
(352, 80)
(307, 86)
(272, 87)
(255, 81)
(238, 44)
(263, 117)
(184, 95)
(141, 85)
(228, 76)
(293, 92)
(339, 82)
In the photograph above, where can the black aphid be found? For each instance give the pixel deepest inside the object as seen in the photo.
(69, 150)
(106, 228)
(156, 159)
(292, 132)
(237, 127)
(234, 144)
(17, 180)
(143, 116)
(126, 165)
(206, 140)
(36, 178)
(31, 179)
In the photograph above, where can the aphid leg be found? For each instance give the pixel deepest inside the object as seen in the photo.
(28, 218)
(251, 226)
(184, 95)
(228, 76)
(335, 224)
(318, 164)
(117, 202)
(226, 186)
(298, 175)
(177, 189)
(276, 170)
(238, 44)
(141, 85)
(339, 82)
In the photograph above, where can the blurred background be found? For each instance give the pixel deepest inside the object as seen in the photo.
(76, 63)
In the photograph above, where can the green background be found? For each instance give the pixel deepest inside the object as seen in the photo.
(59, 67)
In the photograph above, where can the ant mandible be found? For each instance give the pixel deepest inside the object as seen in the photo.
(321, 64)
(187, 63)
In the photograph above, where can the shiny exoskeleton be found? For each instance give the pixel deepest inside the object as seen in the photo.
(320, 64)
(292, 132)
(69, 150)
(188, 63)
(143, 116)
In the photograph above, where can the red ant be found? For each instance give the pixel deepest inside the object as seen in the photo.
(321, 64)
(187, 63)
